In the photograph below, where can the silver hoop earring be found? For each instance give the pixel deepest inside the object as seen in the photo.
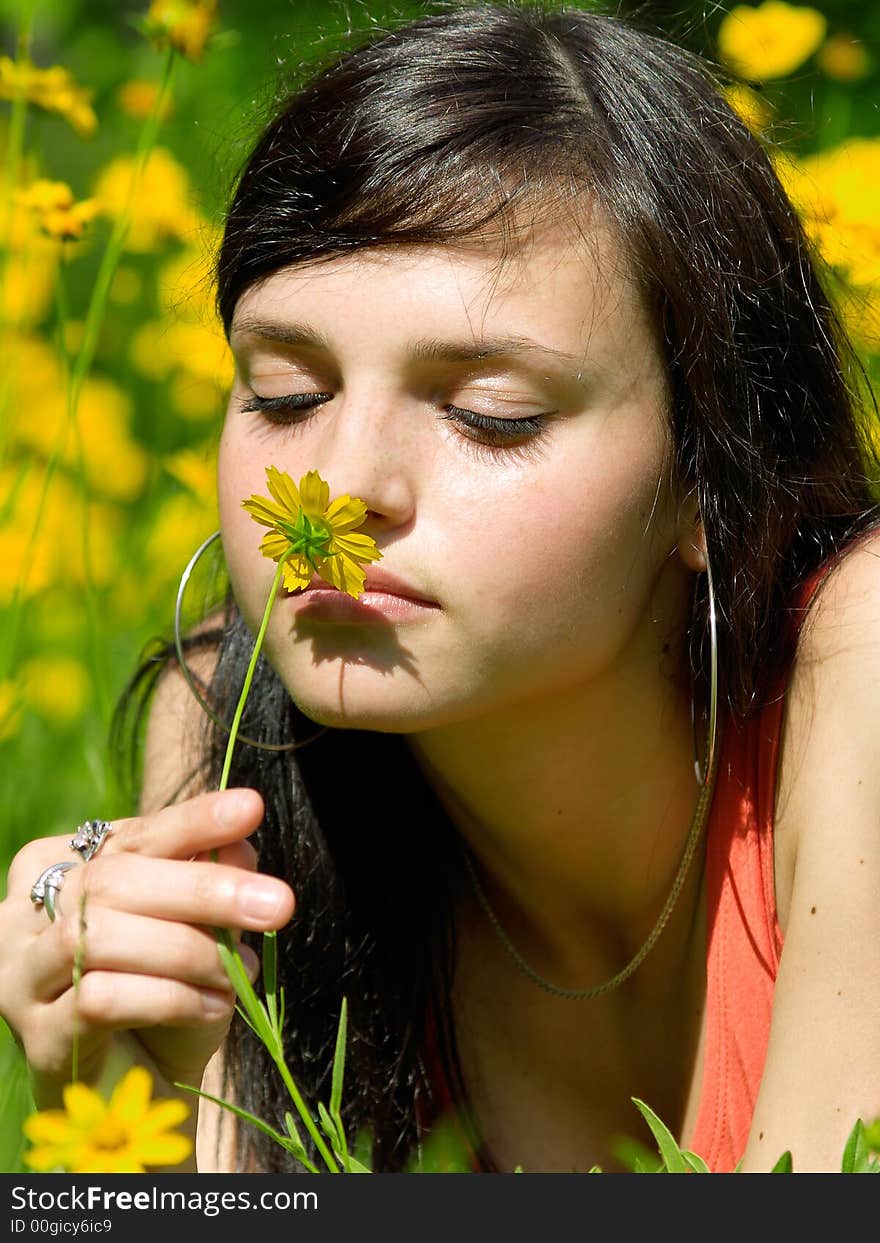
(191, 680)
(702, 774)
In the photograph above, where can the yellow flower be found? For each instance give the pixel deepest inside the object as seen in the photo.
(751, 108)
(59, 216)
(52, 89)
(315, 533)
(120, 1136)
(844, 58)
(769, 41)
(163, 206)
(55, 686)
(837, 192)
(137, 97)
(184, 24)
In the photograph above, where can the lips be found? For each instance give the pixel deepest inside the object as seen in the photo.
(381, 581)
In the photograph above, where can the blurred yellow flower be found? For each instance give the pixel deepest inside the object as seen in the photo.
(31, 266)
(860, 312)
(161, 210)
(180, 526)
(844, 58)
(53, 90)
(58, 550)
(185, 284)
(10, 710)
(137, 97)
(751, 108)
(195, 471)
(121, 1136)
(184, 24)
(197, 359)
(58, 214)
(56, 686)
(837, 192)
(116, 466)
(770, 40)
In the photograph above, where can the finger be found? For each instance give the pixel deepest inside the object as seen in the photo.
(114, 1001)
(204, 823)
(209, 894)
(237, 855)
(115, 941)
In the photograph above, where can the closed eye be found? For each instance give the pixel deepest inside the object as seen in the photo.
(494, 434)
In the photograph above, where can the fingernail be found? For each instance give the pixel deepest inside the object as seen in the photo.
(216, 1005)
(230, 808)
(251, 962)
(260, 902)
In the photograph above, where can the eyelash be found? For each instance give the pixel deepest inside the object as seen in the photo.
(509, 430)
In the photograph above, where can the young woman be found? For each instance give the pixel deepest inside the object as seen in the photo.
(579, 802)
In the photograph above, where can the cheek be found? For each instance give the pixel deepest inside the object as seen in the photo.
(240, 475)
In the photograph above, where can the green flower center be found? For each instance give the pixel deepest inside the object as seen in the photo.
(310, 537)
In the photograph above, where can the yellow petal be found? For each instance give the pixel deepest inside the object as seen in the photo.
(131, 1096)
(49, 1157)
(98, 1161)
(297, 573)
(50, 1126)
(275, 546)
(343, 574)
(162, 1115)
(284, 490)
(344, 514)
(359, 547)
(315, 494)
(264, 511)
(84, 1106)
(163, 1149)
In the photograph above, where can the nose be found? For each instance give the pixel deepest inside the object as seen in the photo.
(367, 447)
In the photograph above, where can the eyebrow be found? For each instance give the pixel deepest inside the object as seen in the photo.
(425, 350)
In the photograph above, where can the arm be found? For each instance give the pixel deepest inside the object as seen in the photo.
(823, 1060)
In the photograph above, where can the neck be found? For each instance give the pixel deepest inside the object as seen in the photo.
(577, 848)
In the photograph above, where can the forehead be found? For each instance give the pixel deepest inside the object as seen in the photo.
(571, 265)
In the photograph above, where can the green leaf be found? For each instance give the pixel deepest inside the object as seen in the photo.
(855, 1154)
(697, 1164)
(293, 1146)
(331, 1130)
(339, 1060)
(270, 973)
(291, 1129)
(356, 1167)
(254, 1009)
(669, 1149)
(783, 1165)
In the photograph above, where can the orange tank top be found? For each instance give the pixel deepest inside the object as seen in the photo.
(744, 940)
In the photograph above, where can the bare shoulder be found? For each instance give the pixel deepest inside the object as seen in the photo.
(176, 732)
(823, 1062)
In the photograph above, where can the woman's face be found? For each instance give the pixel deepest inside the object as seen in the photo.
(546, 554)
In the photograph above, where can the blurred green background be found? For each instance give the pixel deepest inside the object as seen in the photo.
(101, 507)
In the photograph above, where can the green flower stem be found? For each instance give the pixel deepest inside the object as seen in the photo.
(249, 676)
(263, 1024)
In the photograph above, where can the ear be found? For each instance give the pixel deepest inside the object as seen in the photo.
(691, 536)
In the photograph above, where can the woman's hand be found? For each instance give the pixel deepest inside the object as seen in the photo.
(140, 915)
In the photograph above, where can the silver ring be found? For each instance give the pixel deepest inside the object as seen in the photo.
(46, 887)
(89, 838)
